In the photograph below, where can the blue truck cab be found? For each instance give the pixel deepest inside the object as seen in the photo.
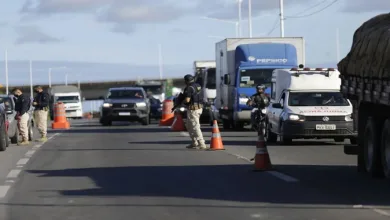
(245, 66)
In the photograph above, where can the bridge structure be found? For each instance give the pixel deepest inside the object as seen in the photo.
(94, 90)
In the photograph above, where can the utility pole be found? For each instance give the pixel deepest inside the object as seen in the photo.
(250, 17)
(31, 80)
(160, 61)
(239, 18)
(49, 77)
(338, 44)
(281, 18)
(6, 72)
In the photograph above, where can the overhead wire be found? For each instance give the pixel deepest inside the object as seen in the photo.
(316, 12)
(274, 26)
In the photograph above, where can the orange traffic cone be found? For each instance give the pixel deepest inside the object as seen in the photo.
(167, 116)
(216, 139)
(262, 159)
(178, 123)
(60, 121)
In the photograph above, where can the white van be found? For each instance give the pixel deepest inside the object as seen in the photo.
(307, 103)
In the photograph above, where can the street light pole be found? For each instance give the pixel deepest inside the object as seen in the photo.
(250, 17)
(6, 72)
(281, 18)
(49, 77)
(338, 44)
(160, 61)
(31, 82)
(239, 17)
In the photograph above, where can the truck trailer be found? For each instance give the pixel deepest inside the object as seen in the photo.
(242, 63)
(365, 80)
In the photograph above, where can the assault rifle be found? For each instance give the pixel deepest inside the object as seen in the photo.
(178, 101)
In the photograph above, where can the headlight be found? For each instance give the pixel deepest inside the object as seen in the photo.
(140, 104)
(243, 101)
(107, 105)
(264, 111)
(348, 118)
(182, 109)
(293, 117)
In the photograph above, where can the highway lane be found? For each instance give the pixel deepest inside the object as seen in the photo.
(138, 172)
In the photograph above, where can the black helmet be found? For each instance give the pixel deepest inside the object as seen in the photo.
(260, 86)
(189, 78)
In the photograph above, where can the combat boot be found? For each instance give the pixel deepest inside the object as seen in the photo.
(43, 139)
(192, 146)
(24, 143)
(201, 146)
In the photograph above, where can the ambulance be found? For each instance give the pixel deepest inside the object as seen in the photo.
(307, 103)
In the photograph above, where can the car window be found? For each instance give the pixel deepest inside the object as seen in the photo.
(7, 102)
(125, 94)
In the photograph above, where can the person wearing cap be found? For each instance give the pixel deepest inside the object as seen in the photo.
(194, 102)
(259, 99)
(22, 106)
(41, 109)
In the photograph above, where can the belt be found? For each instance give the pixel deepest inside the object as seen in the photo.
(195, 107)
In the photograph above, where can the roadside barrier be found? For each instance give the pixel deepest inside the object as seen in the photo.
(178, 123)
(60, 121)
(167, 116)
(216, 139)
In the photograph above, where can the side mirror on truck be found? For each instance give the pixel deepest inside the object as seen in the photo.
(277, 105)
(226, 79)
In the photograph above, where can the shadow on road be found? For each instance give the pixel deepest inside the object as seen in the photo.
(327, 185)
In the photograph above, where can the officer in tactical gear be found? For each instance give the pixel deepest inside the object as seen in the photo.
(41, 105)
(259, 99)
(194, 101)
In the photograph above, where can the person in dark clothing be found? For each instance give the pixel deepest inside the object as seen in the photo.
(260, 100)
(41, 110)
(194, 102)
(22, 106)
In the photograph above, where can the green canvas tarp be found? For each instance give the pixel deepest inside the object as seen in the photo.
(369, 56)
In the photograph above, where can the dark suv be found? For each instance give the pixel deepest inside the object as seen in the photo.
(125, 104)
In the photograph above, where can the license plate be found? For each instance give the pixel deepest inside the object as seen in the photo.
(124, 113)
(326, 127)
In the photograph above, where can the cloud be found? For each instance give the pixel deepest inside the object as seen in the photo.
(124, 15)
(358, 6)
(32, 34)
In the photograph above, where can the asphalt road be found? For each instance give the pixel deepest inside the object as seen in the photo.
(145, 172)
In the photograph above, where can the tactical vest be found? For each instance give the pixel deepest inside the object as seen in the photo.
(197, 96)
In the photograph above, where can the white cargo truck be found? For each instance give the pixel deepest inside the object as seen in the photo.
(242, 63)
(70, 96)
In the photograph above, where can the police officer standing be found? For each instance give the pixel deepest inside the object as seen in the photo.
(41, 104)
(259, 99)
(22, 106)
(194, 103)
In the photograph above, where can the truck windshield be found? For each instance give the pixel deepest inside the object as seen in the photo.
(125, 94)
(153, 89)
(67, 99)
(211, 79)
(253, 77)
(317, 99)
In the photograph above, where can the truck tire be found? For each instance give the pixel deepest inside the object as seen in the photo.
(285, 140)
(385, 149)
(371, 148)
(225, 124)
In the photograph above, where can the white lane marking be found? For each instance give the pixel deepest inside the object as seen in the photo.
(283, 176)
(276, 174)
(357, 206)
(37, 146)
(51, 137)
(30, 153)
(381, 212)
(13, 173)
(3, 190)
(19, 166)
(23, 161)
(10, 181)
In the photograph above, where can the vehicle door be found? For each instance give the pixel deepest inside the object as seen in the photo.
(277, 112)
(9, 105)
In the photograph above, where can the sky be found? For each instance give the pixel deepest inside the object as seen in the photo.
(99, 40)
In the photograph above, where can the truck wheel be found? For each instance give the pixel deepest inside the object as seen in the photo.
(3, 138)
(385, 149)
(285, 140)
(271, 137)
(225, 124)
(371, 147)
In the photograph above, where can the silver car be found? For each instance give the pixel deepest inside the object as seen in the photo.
(13, 131)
